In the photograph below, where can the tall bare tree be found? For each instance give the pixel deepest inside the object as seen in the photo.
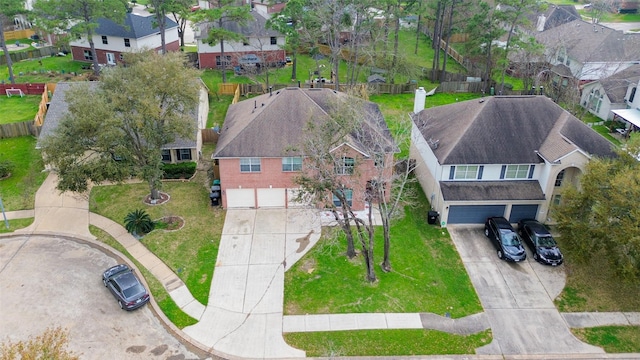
(8, 9)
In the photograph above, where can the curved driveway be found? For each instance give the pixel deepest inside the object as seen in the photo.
(518, 300)
(54, 282)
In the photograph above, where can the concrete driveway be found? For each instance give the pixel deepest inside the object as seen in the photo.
(517, 298)
(50, 282)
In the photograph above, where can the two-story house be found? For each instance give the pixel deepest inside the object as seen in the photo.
(590, 51)
(260, 154)
(500, 156)
(260, 47)
(615, 92)
(112, 40)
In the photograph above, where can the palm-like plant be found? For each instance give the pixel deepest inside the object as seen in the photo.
(138, 223)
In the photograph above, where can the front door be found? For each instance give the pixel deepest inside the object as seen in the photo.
(111, 59)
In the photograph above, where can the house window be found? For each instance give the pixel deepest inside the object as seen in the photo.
(291, 163)
(127, 43)
(121, 56)
(557, 199)
(559, 178)
(517, 172)
(562, 54)
(464, 172)
(345, 166)
(183, 154)
(274, 40)
(166, 155)
(633, 94)
(378, 161)
(88, 55)
(348, 194)
(250, 165)
(219, 62)
(104, 40)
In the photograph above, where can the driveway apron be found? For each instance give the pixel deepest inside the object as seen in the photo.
(518, 300)
(244, 314)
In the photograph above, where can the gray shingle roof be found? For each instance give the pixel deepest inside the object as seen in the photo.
(134, 27)
(268, 125)
(491, 190)
(586, 42)
(506, 130)
(59, 108)
(255, 27)
(555, 15)
(616, 85)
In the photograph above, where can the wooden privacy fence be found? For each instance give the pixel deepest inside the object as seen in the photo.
(42, 109)
(209, 136)
(31, 54)
(227, 89)
(18, 34)
(377, 88)
(23, 128)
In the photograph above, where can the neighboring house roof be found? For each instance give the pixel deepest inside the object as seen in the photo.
(554, 15)
(59, 109)
(270, 124)
(586, 42)
(253, 28)
(615, 86)
(507, 130)
(134, 26)
(375, 78)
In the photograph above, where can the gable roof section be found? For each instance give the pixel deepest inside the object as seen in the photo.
(616, 85)
(554, 15)
(59, 109)
(134, 27)
(256, 27)
(506, 130)
(268, 125)
(586, 42)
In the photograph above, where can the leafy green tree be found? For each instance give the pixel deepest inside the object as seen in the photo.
(117, 129)
(50, 345)
(138, 223)
(180, 11)
(223, 13)
(9, 8)
(80, 17)
(602, 216)
(287, 22)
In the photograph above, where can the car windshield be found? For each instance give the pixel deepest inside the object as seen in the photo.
(546, 241)
(509, 238)
(133, 291)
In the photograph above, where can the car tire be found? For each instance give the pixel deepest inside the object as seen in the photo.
(500, 255)
(535, 256)
(121, 304)
(486, 232)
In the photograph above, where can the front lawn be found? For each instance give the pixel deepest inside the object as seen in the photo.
(190, 252)
(613, 339)
(18, 109)
(14, 224)
(18, 191)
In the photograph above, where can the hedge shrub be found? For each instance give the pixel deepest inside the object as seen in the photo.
(184, 170)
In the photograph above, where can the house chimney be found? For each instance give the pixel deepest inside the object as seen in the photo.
(421, 96)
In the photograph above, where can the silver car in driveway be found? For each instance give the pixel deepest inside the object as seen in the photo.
(125, 287)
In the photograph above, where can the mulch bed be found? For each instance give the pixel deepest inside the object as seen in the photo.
(164, 197)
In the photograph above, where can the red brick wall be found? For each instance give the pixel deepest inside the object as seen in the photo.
(208, 60)
(27, 89)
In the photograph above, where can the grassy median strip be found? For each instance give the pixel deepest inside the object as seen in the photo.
(613, 339)
(178, 317)
(386, 342)
(190, 252)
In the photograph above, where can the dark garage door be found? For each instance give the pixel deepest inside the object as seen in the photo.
(519, 212)
(473, 214)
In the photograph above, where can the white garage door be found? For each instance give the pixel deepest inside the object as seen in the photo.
(292, 195)
(241, 198)
(271, 198)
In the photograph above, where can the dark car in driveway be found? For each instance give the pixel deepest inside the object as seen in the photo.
(543, 246)
(125, 287)
(505, 239)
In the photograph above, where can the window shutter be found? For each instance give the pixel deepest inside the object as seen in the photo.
(480, 172)
(452, 172)
(531, 168)
(504, 170)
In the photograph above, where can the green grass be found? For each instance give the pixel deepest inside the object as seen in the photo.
(386, 343)
(18, 191)
(611, 17)
(18, 109)
(45, 70)
(604, 131)
(14, 224)
(25, 45)
(427, 276)
(178, 317)
(191, 251)
(613, 339)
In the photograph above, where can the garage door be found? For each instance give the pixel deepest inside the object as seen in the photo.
(292, 196)
(473, 214)
(271, 198)
(240, 198)
(519, 212)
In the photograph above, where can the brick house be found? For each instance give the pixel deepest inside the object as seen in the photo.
(112, 40)
(257, 164)
(261, 45)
